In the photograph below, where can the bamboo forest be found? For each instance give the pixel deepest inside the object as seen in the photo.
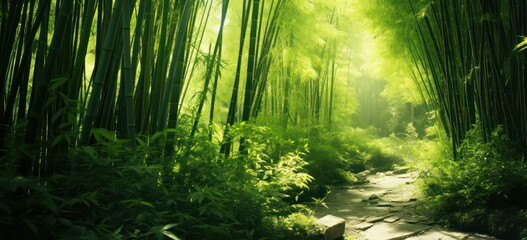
(263, 119)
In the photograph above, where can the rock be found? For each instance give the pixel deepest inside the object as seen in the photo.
(333, 227)
(401, 170)
(389, 173)
(406, 175)
(362, 226)
(391, 219)
(373, 219)
(373, 197)
(478, 236)
(361, 181)
(395, 210)
(416, 219)
(384, 192)
(438, 234)
(385, 204)
(363, 174)
(344, 210)
(393, 231)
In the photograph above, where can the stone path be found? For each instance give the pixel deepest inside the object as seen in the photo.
(384, 207)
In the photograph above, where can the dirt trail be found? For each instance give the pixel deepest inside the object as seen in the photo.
(384, 207)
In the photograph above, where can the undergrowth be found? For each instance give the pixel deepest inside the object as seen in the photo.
(116, 192)
(334, 157)
(484, 189)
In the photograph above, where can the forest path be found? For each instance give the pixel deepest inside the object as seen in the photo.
(384, 207)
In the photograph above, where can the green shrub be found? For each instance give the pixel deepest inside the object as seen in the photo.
(328, 162)
(333, 157)
(485, 189)
(296, 226)
(115, 192)
(383, 162)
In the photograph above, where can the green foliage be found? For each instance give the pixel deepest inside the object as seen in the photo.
(334, 156)
(329, 162)
(485, 189)
(114, 192)
(296, 226)
(371, 154)
(416, 150)
(522, 45)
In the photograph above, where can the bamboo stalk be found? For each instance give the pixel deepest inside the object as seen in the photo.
(100, 73)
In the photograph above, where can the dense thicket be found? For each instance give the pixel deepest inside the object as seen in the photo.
(472, 46)
(141, 70)
(207, 119)
(465, 58)
(102, 107)
(463, 55)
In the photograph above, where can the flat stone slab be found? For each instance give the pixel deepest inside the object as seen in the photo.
(391, 219)
(438, 234)
(390, 214)
(385, 204)
(477, 236)
(450, 235)
(404, 175)
(416, 219)
(373, 219)
(333, 227)
(393, 231)
(396, 210)
(363, 174)
(363, 226)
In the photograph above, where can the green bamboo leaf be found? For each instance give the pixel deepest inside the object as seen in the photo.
(169, 226)
(56, 140)
(118, 230)
(101, 132)
(424, 11)
(57, 82)
(170, 235)
(140, 142)
(145, 203)
(133, 202)
(31, 225)
(522, 45)
(157, 135)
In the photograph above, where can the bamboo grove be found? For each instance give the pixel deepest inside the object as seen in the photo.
(484, 81)
(133, 112)
(172, 101)
(463, 56)
(145, 71)
(468, 62)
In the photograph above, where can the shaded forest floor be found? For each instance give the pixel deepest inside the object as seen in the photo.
(385, 205)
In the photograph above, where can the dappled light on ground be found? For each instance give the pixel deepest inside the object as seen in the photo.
(386, 206)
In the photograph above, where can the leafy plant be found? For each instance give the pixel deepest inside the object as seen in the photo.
(116, 192)
(488, 182)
